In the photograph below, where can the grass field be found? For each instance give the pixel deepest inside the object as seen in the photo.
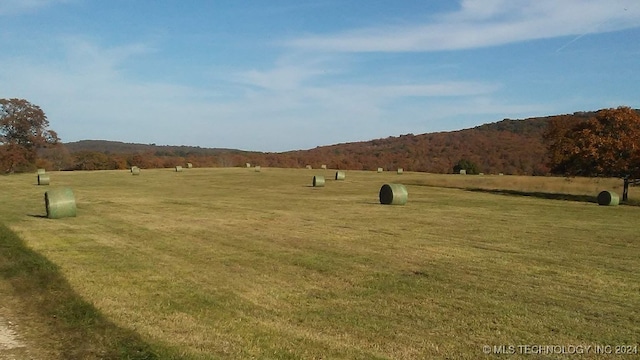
(232, 263)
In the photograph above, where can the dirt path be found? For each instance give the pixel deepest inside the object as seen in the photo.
(11, 347)
(17, 330)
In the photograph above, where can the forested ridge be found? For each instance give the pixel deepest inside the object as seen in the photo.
(507, 146)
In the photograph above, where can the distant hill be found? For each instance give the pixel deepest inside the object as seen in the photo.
(507, 146)
(117, 147)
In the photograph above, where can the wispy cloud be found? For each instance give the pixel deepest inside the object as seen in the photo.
(286, 73)
(481, 23)
(310, 75)
(88, 93)
(300, 100)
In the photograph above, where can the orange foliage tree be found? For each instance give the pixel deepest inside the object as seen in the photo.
(23, 130)
(607, 144)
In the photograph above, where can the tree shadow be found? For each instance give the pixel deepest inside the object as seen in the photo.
(75, 328)
(540, 195)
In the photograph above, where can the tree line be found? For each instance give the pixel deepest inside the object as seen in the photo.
(603, 143)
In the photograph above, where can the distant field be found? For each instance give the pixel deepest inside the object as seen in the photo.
(233, 263)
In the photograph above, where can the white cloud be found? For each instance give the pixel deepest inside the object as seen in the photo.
(481, 23)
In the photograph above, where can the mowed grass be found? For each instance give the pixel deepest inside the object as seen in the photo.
(233, 263)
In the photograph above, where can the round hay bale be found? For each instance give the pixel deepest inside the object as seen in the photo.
(393, 194)
(258, 168)
(247, 165)
(324, 167)
(43, 179)
(463, 172)
(189, 165)
(340, 175)
(608, 198)
(41, 171)
(135, 170)
(309, 167)
(318, 181)
(380, 170)
(178, 168)
(400, 171)
(60, 203)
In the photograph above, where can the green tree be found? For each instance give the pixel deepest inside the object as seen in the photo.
(464, 164)
(23, 130)
(607, 144)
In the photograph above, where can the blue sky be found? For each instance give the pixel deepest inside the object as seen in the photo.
(277, 75)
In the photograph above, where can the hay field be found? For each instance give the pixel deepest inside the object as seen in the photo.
(233, 263)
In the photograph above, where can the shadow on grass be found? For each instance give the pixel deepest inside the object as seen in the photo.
(537, 194)
(541, 195)
(75, 326)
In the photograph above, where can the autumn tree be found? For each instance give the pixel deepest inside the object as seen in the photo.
(93, 160)
(55, 157)
(23, 130)
(607, 144)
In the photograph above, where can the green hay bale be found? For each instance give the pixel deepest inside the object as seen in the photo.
(318, 181)
(380, 170)
(189, 165)
(60, 203)
(400, 171)
(43, 179)
(324, 167)
(340, 175)
(393, 194)
(178, 168)
(463, 172)
(258, 169)
(41, 171)
(608, 198)
(135, 170)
